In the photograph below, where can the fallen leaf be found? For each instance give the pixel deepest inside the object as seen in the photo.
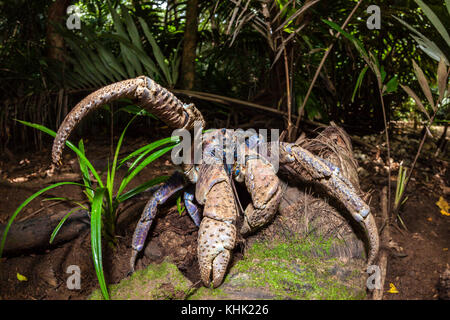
(21, 277)
(430, 219)
(443, 205)
(392, 289)
(444, 249)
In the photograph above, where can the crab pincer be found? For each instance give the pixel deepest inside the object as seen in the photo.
(217, 233)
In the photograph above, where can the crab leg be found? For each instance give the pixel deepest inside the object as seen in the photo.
(175, 183)
(217, 233)
(330, 177)
(191, 208)
(266, 192)
(148, 94)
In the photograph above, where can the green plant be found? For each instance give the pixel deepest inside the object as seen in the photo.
(103, 202)
(399, 191)
(442, 101)
(384, 87)
(95, 65)
(426, 44)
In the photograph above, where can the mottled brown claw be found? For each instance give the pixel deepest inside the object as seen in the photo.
(215, 242)
(217, 233)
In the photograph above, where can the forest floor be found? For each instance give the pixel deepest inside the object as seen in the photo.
(422, 253)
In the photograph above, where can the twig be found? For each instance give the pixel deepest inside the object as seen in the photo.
(385, 236)
(288, 91)
(380, 88)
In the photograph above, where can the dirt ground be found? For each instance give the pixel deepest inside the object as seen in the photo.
(413, 269)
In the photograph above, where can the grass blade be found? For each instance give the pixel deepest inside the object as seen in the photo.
(69, 144)
(96, 239)
(60, 224)
(135, 191)
(142, 165)
(150, 147)
(359, 81)
(85, 172)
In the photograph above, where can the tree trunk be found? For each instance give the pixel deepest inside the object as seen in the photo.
(190, 45)
(55, 41)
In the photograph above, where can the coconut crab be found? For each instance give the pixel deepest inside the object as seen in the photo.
(212, 181)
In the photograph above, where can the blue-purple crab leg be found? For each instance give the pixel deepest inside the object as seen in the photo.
(337, 185)
(175, 183)
(192, 208)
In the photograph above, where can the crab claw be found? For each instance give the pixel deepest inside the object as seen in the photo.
(215, 243)
(217, 233)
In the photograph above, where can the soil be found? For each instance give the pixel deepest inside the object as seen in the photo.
(414, 268)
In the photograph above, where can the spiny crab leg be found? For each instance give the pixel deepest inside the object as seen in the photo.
(337, 185)
(175, 183)
(148, 94)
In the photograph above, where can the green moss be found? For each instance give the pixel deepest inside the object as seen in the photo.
(162, 281)
(296, 269)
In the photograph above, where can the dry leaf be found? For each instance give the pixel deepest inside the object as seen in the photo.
(442, 78)
(392, 288)
(424, 84)
(21, 277)
(443, 205)
(416, 99)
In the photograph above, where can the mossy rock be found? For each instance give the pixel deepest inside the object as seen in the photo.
(289, 269)
(296, 269)
(157, 282)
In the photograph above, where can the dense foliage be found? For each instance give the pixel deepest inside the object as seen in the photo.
(245, 49)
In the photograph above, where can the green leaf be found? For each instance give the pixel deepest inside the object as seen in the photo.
(134, 109)
(179, 208)
(85, 172)
(116, 156)
(23, 204)
(141, 166)
(434, 20)
(150, 147)
(359, 81)
(355, 41)
(428, 46)
(69, 144)
(96, 239)
(392, 85)
(60, 224)
(135, 191)
(157, 52)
